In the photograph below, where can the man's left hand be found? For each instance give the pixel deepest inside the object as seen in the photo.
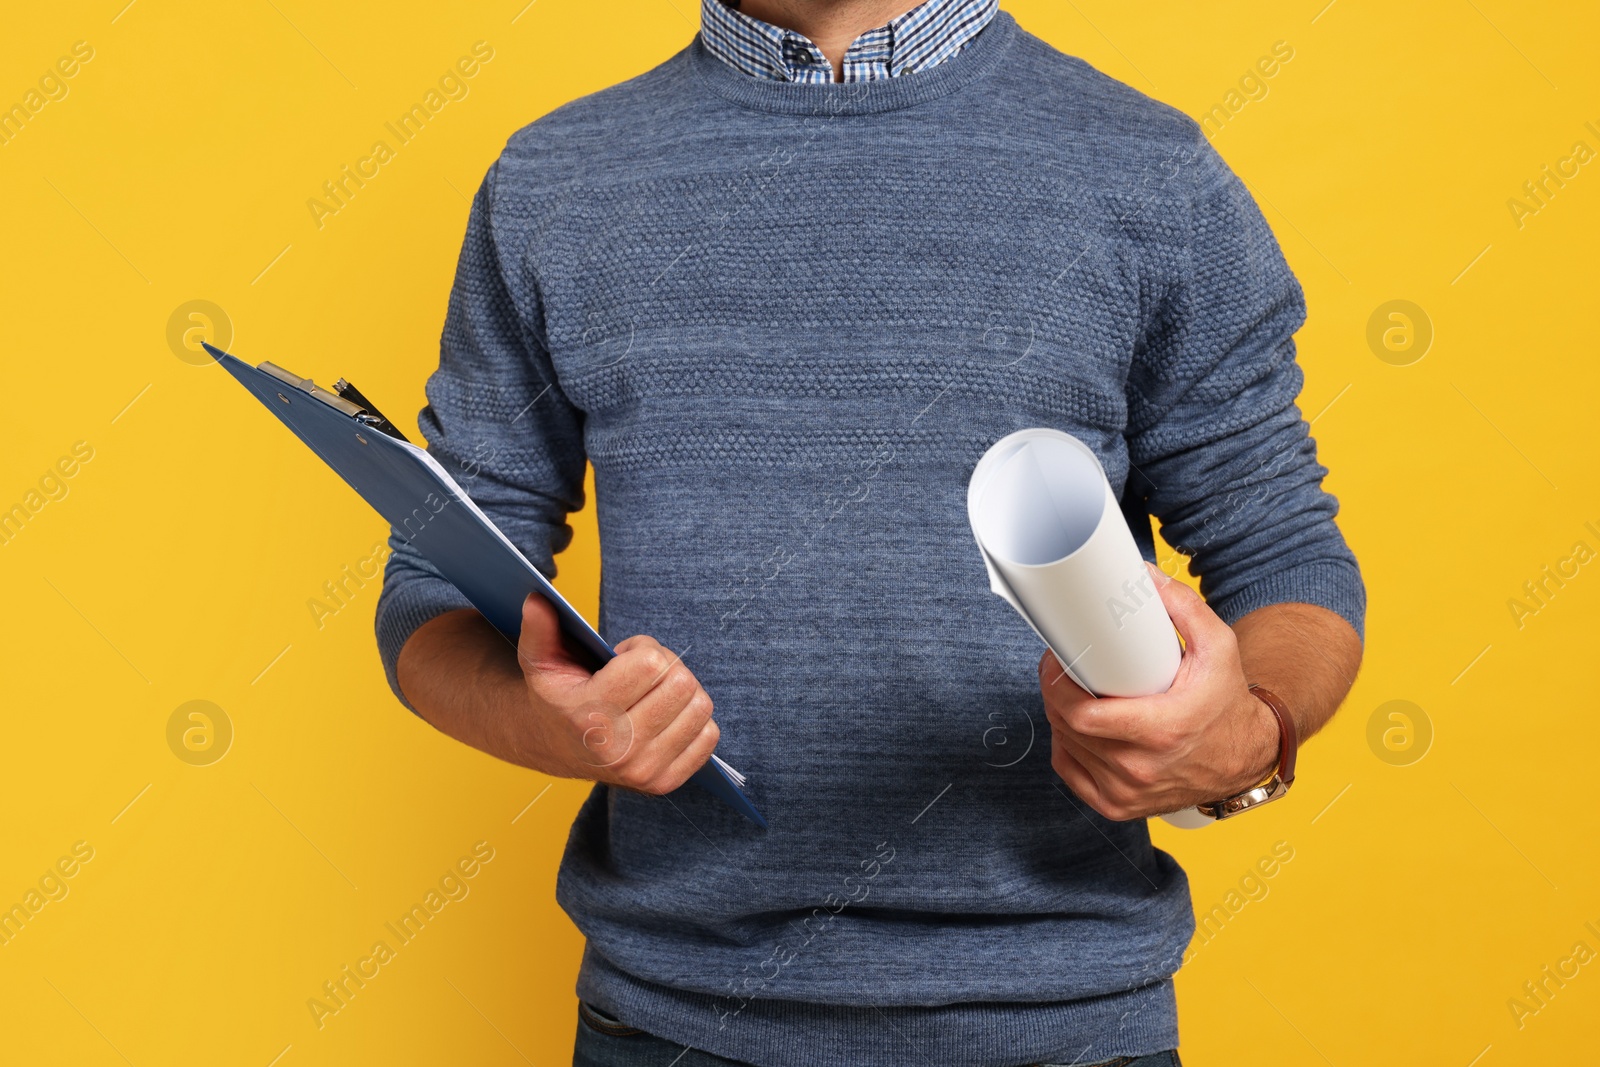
(1205, 738)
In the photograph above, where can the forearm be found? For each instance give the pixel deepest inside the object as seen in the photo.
(461, 675)
(1305, 654)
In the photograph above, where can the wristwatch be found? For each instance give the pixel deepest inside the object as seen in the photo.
(1277, 783)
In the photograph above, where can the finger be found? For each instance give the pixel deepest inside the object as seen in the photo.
(1094, 755)
(1111, 727)
(1197, 624)
(680, 731)
(1069, 707)
(659, 709)
(1105, 756)
(1072, 771)
(1126, 775)
(640, 665)
(1062, 696)
(540, 645)
(1100, 785)
(692, 758)
(1111, 723)
(1055, 681)
(631, 642)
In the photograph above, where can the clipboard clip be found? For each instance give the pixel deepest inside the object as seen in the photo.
(345, 399)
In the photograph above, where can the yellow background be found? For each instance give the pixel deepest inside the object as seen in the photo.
(1420, 897)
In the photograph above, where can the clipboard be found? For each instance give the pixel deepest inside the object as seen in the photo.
(428, 509)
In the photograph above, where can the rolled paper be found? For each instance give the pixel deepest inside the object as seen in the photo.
(1059, 551)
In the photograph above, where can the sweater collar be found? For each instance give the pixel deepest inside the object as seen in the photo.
(977, 57)
(920, 39)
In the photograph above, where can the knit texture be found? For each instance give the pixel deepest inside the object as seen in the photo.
(784, 322)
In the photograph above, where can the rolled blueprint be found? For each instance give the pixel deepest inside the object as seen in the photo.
(1059, 551)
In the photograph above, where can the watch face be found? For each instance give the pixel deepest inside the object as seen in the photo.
(1265, 793)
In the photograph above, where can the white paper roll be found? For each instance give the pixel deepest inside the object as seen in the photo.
(1059, 551)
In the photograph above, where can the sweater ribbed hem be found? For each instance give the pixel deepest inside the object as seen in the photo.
(981, 55)
(1332, 584)
(781, 1033)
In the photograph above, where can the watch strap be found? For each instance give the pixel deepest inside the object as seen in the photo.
(1288, 737)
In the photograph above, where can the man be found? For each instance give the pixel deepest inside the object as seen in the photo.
(782, 292)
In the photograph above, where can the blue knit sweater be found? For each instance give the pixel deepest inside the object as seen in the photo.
(783, 322)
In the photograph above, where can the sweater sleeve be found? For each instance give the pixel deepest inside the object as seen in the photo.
(497, 420)
(1220, 452)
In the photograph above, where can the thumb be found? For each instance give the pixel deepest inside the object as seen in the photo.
(1187, 609)
(539, 646)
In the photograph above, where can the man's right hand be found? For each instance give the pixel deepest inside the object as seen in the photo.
(642, 721)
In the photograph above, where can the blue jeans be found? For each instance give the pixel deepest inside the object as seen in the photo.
(606, 1042)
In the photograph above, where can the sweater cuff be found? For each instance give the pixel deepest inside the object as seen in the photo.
(404, 607)
(1332, 584)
